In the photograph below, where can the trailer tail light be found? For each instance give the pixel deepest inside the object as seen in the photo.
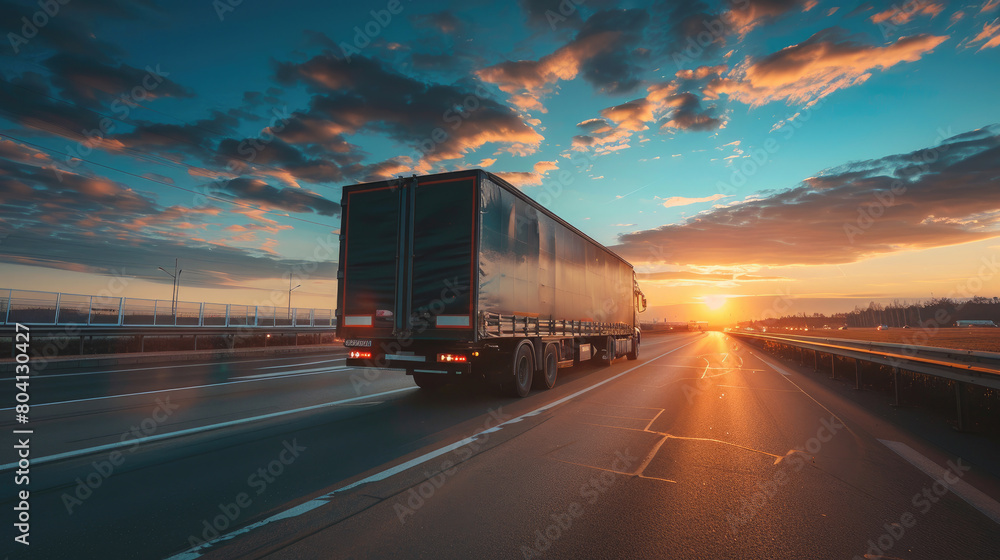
(452, 358)
(359, 355)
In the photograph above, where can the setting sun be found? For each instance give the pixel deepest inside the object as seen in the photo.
(714, 302)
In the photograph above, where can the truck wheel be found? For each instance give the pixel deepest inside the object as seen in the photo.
(522, 371)
(550, 368)
(429, 381)
(634, 354)
(609, 351)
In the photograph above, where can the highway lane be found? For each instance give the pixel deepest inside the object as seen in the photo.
(148, 497)
(709, 451)
(694, 435)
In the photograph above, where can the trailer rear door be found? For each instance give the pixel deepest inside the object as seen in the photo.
(409, 259)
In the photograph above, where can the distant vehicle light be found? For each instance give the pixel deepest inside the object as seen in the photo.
(452, 358)
(383, 313)
(359, 355)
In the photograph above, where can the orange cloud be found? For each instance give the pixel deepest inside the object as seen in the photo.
(685, 201)
(863, 209)
(900, 16)
(815, 68)
(990, 31)
(534, 75)
(529, 178)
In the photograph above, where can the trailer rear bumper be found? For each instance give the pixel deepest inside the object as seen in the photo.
(411, 366)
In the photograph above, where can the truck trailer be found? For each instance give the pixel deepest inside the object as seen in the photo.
(461, 275)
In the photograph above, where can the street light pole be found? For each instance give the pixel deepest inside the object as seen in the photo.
(176, 288)
(290, 289)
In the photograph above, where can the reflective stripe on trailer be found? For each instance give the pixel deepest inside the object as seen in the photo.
(453, 321)
(358, 321)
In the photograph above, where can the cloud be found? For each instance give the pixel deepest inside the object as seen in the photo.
(820, 65)
(362, 96)
(275, 157)
(73, 221)
(441, 22)
(748, 14)
(290, 199)
(90, 82)
(854, 212)
(663, 105)
(990, 34)
(674, 201)
(687, 114)
(605, 52)
(556, 14)
(531, 178)
(684, 275)
(898, 16)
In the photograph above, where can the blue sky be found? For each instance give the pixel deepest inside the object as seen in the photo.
(726, 148)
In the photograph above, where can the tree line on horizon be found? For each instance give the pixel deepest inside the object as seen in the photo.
(939, 312)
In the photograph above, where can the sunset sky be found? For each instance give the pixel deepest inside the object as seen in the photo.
(748, 157)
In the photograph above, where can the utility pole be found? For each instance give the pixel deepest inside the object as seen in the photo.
(176, 288)
(290, 289)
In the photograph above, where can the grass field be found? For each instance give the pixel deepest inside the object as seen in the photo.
(985, 339)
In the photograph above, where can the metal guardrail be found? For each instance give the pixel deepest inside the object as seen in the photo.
(934, 352)
(31, 307)
(960, 366)
(939, 362)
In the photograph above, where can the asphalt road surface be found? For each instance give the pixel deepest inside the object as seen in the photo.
(701, 449)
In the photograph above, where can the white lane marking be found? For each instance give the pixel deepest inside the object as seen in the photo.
(196, 552)
(777, 368)
(787, 377)
(167, 366)
(308, 372)
(985, 504)
(199, 429)
(305, 364)
(290, 373)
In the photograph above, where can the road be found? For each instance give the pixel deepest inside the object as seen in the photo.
(701, 449)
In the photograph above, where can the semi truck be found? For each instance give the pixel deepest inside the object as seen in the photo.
(461, 275)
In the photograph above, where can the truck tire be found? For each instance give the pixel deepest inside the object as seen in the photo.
(634, 354)
(522, 368)
(550, 368)
(429, 381)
